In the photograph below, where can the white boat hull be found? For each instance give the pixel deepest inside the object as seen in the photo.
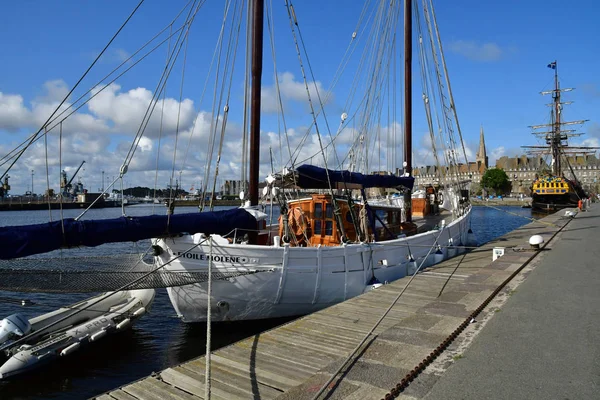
(293, 281)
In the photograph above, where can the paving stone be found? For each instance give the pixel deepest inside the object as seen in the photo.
(375, 374)
(443, 308)
(453, 296)
(339, 389)
(421, 321)
(397, 355)
(411, 336)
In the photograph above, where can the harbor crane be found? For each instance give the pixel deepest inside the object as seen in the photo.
(66, 186)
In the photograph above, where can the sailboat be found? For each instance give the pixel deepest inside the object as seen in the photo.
(558, 188)
(329, 243)
(326, 248)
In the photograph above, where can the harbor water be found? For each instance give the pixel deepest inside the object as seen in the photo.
(159, 340)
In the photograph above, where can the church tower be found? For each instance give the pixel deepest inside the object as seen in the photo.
(481, 157)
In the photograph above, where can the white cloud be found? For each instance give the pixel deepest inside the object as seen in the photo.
(127, 109)
(423, 154)
(592, 142)
(102, 134)
(56, 90)
(477, 51)
(496, 153)
(13, 113)
(291, 91)
(78, 122)
(145, 144)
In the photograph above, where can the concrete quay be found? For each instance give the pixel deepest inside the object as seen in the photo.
(544, 343)
(410, 347)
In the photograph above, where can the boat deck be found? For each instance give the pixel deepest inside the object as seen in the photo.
(428, 222)
(294, 360)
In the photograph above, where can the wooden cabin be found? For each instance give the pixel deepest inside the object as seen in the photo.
(311, 222)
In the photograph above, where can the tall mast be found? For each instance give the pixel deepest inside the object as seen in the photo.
(408, 100)
(408, 86)
(555, 134)
(257, 58)
(556, 128)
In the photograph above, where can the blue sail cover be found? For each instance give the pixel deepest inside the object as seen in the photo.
(22, 241)
(311, 177)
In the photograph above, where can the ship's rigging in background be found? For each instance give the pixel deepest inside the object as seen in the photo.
(559, 187)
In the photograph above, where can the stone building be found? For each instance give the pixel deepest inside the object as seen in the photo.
(481, 157)
(233, 187)
(471, 172)
(587, 170)
(523, 170)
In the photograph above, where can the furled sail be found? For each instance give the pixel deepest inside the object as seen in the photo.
(22, 241)
(312, 177)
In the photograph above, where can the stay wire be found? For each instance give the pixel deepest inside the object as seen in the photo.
(11, 155)
(73, 88)
(226, 89)
(160, 86)
(160, 130)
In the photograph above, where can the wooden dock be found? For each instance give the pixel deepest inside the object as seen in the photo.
(295, 360)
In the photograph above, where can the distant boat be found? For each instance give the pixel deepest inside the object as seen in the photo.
(552, 190)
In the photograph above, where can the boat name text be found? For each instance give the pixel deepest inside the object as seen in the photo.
(206, 257)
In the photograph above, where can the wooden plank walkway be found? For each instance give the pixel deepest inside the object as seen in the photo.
(294, 360)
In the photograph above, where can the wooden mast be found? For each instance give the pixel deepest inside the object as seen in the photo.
(556, 134)
(408, 101)
(257, 59)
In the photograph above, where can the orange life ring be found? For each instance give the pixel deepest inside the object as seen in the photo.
(298, 225)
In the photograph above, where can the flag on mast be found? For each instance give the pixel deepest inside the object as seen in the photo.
(552, 65)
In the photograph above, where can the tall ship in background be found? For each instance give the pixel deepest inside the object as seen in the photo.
(558, 187)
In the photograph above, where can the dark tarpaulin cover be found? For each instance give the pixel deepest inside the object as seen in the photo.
(22, 241)
(311, 177)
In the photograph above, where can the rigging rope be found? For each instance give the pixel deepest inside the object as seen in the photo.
(44, 125)
(94, 92)
(226, 87)
(294, 22)
(281, 116)
(216, 106)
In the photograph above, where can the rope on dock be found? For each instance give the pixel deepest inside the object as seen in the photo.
(452, 274)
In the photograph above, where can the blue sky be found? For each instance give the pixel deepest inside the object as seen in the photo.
(496, 53)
